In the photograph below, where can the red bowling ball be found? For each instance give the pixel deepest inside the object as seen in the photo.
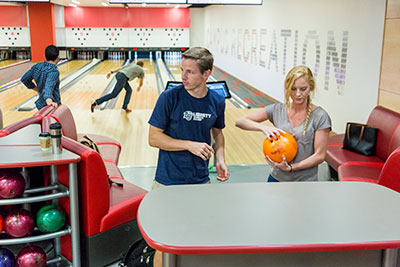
(19, 223)
(12, 183)
(31, 256)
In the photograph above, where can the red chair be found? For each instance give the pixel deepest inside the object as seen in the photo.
(109, 147)
(389, 175)
(35, 119)
(107, 212)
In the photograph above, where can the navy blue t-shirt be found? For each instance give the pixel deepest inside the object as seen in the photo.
(185, 117)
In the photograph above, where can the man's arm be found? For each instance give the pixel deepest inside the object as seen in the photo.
(49, 87)
(113, 71)
(158, 139)
(219, 147)
(27, 80)
(140, 84)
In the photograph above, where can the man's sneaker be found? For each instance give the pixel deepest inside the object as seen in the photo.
(93, 105)
(127, 110)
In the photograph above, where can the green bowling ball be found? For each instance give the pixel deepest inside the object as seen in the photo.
(50, 219)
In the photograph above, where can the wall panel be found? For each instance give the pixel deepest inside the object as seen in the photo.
(13, 16)
(389, 89)
(341, 41)
(127, 17)
(393, 10)
(390, 77)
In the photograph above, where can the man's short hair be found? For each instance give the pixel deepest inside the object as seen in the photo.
(203, 57)
(140, 63)
(51, 53)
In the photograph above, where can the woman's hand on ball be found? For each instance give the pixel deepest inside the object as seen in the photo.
(283, 165)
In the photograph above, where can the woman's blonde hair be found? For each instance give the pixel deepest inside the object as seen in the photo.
(295, 73)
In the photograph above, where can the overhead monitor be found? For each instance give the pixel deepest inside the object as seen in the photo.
(226, 2)
(220, 87)
(147, 1)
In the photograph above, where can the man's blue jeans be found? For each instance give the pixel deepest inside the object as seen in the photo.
(122, 82)
(271, 179)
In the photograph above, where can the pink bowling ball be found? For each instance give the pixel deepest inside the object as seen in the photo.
(31, 256)
(12, 183)
(19, 223)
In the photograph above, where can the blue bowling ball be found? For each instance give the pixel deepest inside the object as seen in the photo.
(7, 258)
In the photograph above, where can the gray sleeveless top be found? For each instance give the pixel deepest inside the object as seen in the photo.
(319, 119)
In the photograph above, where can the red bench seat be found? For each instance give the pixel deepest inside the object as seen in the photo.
(357, 165)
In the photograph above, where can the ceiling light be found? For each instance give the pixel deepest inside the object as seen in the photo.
(104, 4)
(75, 2)
(73, 5)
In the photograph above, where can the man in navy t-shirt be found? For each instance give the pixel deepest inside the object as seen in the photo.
(182, 123)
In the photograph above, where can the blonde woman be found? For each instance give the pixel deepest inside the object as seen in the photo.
(309, 124)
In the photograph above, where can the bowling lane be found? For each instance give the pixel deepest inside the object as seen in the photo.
(89, 87)
(92, 86)
(146, 98)
(175, 69)
(16, 95)
(6, 62)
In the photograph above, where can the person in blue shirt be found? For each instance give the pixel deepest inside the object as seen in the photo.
(182, 123)
(47, 79)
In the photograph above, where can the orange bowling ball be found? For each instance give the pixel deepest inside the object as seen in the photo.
(284, 145)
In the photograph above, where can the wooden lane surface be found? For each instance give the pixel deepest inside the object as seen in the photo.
(148, 95)
(89, 87)
(175, 70)
(92, 86)
(4, 63)
(16, 95)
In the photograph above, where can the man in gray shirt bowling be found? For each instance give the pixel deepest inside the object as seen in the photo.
(124, 74)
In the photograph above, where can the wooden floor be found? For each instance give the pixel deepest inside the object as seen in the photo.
(6, 62)
(131, 129)
(16, 95)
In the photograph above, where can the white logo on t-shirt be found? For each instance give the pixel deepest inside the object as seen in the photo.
(196, 116)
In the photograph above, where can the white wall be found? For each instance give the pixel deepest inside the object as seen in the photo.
(197, 27)
(341, 41)
(14, 36)
(127, 37)
(59, 22)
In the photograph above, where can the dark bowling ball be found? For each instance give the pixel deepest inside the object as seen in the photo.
(19, 223)
(12, 183)
(31, 256)
(7, 258)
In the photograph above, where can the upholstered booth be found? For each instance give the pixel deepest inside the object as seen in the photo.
(35, 119)
(107, 212)
(388, 122)
(389, 175)
(109, 147)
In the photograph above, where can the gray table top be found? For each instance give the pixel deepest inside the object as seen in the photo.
(31, 156)
(270, 217)
(28, 135)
